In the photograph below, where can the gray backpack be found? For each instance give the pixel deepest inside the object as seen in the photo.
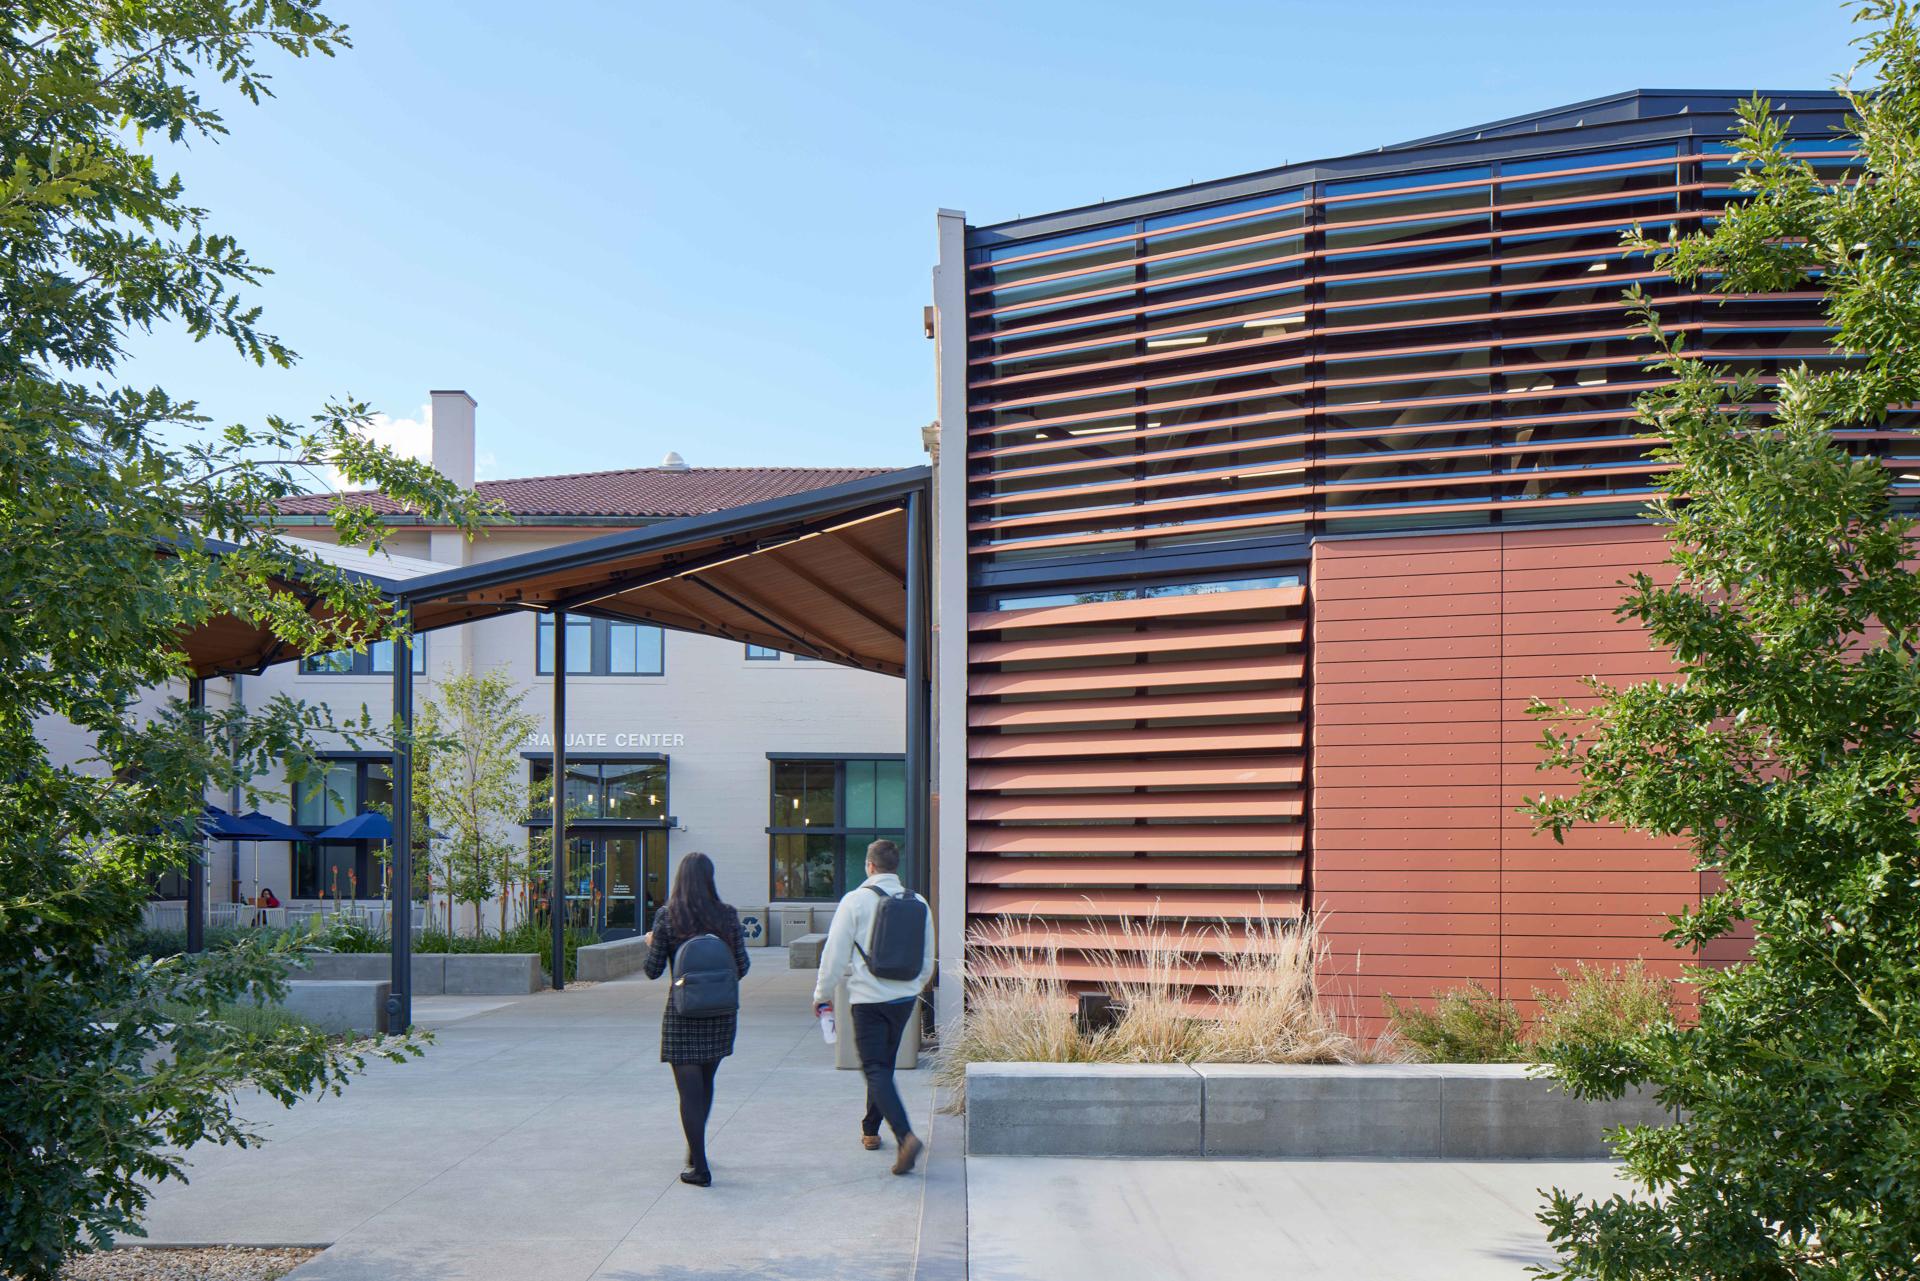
(897, 944)
(706, 983)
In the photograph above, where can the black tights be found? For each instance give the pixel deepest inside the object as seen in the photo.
(695, 1083)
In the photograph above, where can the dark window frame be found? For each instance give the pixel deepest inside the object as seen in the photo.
(360, 662)
(538, 821)
(599, 647)
(840, 831)
(369, 883)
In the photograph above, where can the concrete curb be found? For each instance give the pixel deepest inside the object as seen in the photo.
(437, 973)
(1424, 1111)
(339, 1005)
(1084, 1109)
(941, 1252)
(429, 969)
(599, 962)
(494, 973)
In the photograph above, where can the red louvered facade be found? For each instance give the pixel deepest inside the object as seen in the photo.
(1279, 499)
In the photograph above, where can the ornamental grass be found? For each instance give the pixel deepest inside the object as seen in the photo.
(1224, 991)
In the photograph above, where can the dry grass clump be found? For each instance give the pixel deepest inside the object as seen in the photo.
(1221, 992)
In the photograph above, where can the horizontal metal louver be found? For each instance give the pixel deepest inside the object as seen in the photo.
(1133, 761)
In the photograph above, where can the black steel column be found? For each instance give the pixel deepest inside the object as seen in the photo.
(197, 858)
(556, 876)
(400, 869)
(919, 864)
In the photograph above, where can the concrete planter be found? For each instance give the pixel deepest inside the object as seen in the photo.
(339, 1005)
(494, 973)
(1084, 1109)
(437, 973)
(1427, 1111)
(599, 962)
(429, 969)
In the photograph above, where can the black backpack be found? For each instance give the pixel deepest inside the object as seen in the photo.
(706, 982)
(898, 942)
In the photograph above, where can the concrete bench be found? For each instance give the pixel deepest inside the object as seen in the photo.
(1403, 1111)
(599, 962)
(494, 973)
(803, 953)
(438, 973)
(429, 969)
(339, 1005)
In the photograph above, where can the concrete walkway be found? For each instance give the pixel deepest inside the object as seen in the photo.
(1058, 1219)
(539, 1139)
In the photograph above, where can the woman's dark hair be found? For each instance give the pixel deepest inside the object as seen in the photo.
(694, 906)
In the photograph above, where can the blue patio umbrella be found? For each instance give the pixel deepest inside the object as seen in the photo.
(217, 823)
(255, 826)
(361, 827)
(252, 827)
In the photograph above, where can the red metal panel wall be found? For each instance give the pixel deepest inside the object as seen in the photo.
(1426, 653)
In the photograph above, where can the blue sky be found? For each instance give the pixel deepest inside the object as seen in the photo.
(629, 228)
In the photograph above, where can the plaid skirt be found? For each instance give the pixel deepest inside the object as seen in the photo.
(689, 1040)
(694, 1040)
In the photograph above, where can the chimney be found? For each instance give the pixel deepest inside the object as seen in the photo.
(452, 428)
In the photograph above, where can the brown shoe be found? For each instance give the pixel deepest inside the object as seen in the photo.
(871, 1142)
(910, 1149)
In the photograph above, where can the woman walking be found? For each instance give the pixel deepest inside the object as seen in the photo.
(694, 1045)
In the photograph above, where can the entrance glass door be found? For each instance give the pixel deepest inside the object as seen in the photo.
(616, 881)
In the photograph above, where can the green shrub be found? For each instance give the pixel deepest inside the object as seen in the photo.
(349, 935)
(1465, 1025)
(154, 944)
(1601, 1006)
(246, 1018)
(1597, 1007)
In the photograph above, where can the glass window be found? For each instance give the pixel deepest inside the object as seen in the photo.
(621, 791)
(579, 646)
(803, 866)
(375, 660)
(633, 649)
(583, 790)
(824, 815)
(337, 662)
(328, 798)
(635, 789)
(597, 647)
(342, 869)
(762, 654)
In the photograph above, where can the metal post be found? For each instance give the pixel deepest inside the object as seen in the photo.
(197, 858)
(400, 869)
(919, 865)
(556, 876)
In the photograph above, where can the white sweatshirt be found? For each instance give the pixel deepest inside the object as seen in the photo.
(853, 923)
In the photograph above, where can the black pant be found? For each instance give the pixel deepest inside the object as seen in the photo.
(695, 1083)
(877, 1029)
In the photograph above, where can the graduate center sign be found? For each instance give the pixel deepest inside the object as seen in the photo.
(618, 740)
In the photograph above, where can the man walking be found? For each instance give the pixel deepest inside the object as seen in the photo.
(882, 942)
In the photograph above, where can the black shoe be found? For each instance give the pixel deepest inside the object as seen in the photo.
(698, 1178)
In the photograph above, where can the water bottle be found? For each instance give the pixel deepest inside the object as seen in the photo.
(826, 1024)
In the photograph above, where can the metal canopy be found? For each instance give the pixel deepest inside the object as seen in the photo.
(839, 574)
(822, 574)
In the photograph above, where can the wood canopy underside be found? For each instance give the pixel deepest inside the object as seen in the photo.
(830, 586)
(834, 589)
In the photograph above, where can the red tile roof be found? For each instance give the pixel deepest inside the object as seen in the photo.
(637, 492)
